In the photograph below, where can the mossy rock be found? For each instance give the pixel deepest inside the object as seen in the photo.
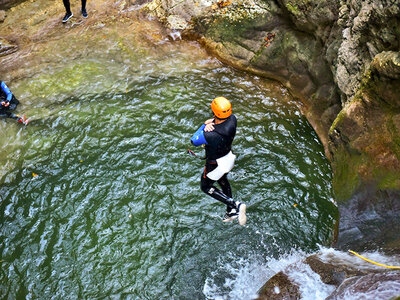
(365, 138)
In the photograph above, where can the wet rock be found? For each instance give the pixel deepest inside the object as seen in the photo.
(370, 220)
(176, 22)
(343, 276)
(7, 47)
(279, 287)
(364, 140)
(372, 286)
(333, 273)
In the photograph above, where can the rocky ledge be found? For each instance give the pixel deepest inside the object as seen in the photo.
(340, 279)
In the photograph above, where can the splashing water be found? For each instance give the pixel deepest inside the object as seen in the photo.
(247, 277)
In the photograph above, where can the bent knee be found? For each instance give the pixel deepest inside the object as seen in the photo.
(206, 185)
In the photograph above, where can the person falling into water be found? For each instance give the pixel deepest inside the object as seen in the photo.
(217, 135)
(68, 12)
(8, 103)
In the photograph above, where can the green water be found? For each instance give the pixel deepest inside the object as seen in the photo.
(116, 208)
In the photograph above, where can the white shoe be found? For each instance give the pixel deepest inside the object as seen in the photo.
(230, 216)
(242, 213)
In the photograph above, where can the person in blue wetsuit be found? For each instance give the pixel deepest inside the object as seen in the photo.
(8, 103)
(217, 135)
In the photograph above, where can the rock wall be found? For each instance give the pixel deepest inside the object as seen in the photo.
(365, 146)
(341, 60)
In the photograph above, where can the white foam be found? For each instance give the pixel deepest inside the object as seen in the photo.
(247, 277)
(277, 290)
(309, 282)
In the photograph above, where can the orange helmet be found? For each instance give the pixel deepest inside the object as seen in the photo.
(221, 107)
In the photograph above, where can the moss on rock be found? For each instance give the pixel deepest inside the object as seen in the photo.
(364, 137)
(346, 176)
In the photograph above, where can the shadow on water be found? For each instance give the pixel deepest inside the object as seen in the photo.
(98, 197)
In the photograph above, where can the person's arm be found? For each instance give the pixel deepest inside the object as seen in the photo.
(6, 90)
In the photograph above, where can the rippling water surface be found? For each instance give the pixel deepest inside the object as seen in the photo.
(98, 197)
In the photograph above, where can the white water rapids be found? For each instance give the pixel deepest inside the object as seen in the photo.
(250, 275)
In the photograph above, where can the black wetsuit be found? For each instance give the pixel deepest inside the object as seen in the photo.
(68, 6)
(219, 143)
(7, 96)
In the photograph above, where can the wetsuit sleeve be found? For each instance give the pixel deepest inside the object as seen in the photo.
(6, 90)
(198, 138)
